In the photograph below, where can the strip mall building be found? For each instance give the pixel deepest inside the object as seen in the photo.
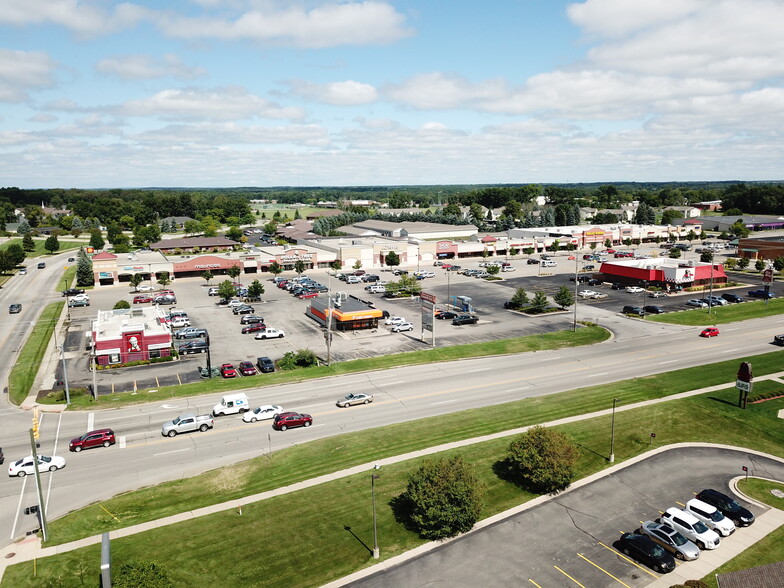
(663, 272)
(124, 335)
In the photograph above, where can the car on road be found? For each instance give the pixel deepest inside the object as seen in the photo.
(265, 365)
(270, 334)
(192, 347)
(697, 303)
(778, 340)
(449, 315)
(26, 466)
(465, 319)
(709, 332)
(691, 527)
(190, 333)
(73, 291)
(42, 265)
(244, 309)
(14, 309)
(142, 298)
(71, 259)
(352, 399)
(635, 310)
(653, 309)
(634, 289)
(711, 516)
(253, 328)
(98, 438)
(400, 327)
(734, 298)
(227, 370)
(76, 302)
(289, 420)
(531, 261)
(643, 549)
(657, 294)
(262, 413)
(760, 294)
(742, 517)
(671, 540)
(22, 272)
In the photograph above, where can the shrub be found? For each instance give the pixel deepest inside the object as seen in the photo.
(148, 574)
(301, 359)
(543, 459)
(121, 304)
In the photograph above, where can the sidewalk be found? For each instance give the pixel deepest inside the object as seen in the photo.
(30, 548)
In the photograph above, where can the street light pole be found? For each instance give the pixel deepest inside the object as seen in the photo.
(576, 283)
(373, 479)
(612, 433)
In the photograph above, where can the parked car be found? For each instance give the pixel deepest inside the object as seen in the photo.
(192, 347)
(710, 332)
(246, 368)
(143, 288)
(235, 302)
(265, 365)
(671, 540)
(643, 549)
(760, 294)
(653, 309)
(696, 303)
(531, 261)
(634, 289)
(716, 301)
(393, 320)
(190, 333)
(400, 327)
(307, 294)
(635, 310)
(73, 291)
(227, 370)
(142, 298)
(711, 516)
(262, 413)
(76, 302)
(213, 291)
(581, 279)
(734, 298)
(691, 528)
(594, 281)
(270, 334)
(98, 438)
(352, 399)
(617, 286)
(26, 466)
(741, 516)
(449, 315)
(179, 322)
(289, 420)
(244, 309)
(465, 319)
(657, 294)
(165, 299)
(15, 309)
(587, 293)
(249, 319)
(253, 328)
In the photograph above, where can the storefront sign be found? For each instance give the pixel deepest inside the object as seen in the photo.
(105, 275)
(134, 268)
(207, 266)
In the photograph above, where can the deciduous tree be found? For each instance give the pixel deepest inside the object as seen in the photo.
(52, 244)
(564, 297)
(543, 459)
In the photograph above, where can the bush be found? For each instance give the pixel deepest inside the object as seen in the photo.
(443, 498)
(543, 460)
(121, 304)
(147, 574)
(301, 359)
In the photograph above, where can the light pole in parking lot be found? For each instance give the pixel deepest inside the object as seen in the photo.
(373, 479)
(576, 283)
(612, 433)
(644, 292)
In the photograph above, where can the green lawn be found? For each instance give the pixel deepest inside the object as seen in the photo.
(720, 315)
(327, 530)
(39, 246)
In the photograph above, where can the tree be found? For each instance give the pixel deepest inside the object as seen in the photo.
(24, 228)
(6, 261)
(493, 270)
(299, 266)
(691, 236)
(256, 289)
(543, 459)
(739, 229)
(207, 276)
(164, 279)
(564, 297)
(675, 253)
(16, 252)
(627, 241)
(234, 271)
(760, 265)
(520, 298)
(275, 268)
(84, 270)
(443, 498)
(336, 265)
(234, 233)
(192, 227)
(227, 290)
(539, 303)
(514, 251)
(27, 242)
(392, 259)
(149, 574)
(669, 215)
(136, 281)
(706, 256)
(96, 240)
(529, 251)
(778, 263)
(453, 209)
(51, 244)
(121, 304)
(730, 263)
(608, 242)
(743, 263)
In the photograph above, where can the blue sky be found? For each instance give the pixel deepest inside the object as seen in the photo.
(212, 93)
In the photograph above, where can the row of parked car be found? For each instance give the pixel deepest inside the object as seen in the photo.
(683, 533)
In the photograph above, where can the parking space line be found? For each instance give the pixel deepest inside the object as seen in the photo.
(598, 567)
(619, 554)
(678, 502)
(568, 576)
(534, 583)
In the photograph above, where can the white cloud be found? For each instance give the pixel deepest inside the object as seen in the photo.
(438, 90)
(347, 93)
(224, 134)
(330, 25)
(141, 67)
(85, 18)
(43, 118)
(611, 18)
(229, 103)
(22, 72)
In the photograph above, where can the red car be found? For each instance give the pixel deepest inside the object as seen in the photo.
(710, 332)
(308, 295)
(227, 371)
(247, 368)
(253, 327)
(611, 251)
(287, 420)
(99, 438)
(142, 299)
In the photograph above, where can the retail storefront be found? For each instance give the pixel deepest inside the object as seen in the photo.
(125, 335)
(353, 314)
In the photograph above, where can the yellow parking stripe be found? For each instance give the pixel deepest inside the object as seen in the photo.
(634, 563)
(680, 503)
(568, 576)
(534, 583)
(598, 567)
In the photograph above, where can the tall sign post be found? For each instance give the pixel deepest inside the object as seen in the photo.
(744, 383)
(767, 280)
(428, 313)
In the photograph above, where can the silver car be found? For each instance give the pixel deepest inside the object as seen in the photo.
(671, 540)
(352, 399)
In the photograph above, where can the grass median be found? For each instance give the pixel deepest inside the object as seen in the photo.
(322, 533)
(720, 315)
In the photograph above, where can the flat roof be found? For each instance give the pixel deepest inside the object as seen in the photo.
(111, 324)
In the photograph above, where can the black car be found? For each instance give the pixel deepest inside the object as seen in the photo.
(73, 291)
(653, 309)
(644, 550)
(446, 315)
(192, 347)
(265, 365)
(251, 319)
(164, 300)
(732, 298)
(14, 309)
(580, 279)
(41, 265)
(243, 310)
(742, 517)
(778, 340)
(618, 286)
(532, 261)
(633, 310)
(760, 294)
(594, 282)
(464, 319)
(509, 305)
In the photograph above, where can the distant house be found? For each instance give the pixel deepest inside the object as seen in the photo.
(176, 222)
(56, 212)
(319, 213)
(686, 211)
(708, 205)
(194, 243)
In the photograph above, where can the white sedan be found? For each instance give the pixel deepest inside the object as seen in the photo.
(588, 294)
(400, 327)
(144, 288)
(25, 465)
(262, 413)
(179, 322)
(352, 399)
(634, 289)
(394, 320)
(270, 334)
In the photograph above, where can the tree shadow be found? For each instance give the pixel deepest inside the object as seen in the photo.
(402, 510)
(365, 545)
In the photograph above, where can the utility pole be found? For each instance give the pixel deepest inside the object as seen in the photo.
(576, 284)
(41, 509)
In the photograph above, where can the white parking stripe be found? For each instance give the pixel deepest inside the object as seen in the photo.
(90, 421)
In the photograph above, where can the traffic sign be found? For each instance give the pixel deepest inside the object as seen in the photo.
(767, 276)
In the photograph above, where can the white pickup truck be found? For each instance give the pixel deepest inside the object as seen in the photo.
(187, 423)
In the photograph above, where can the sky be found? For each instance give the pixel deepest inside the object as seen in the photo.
(226, 93)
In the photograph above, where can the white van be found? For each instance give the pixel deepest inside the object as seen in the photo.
(711, 516)
(376, 289)
(231, 404)
(548, 263)
(691, 527)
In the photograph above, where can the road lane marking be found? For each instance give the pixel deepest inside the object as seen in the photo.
(598, 567)
(596, 375)
(18, 508)
(730, 350)
(90, 420)
(678, 502)
(568, 576)
(619, 554)
(668, 361)
(122, 441)
(173, 451)
(444, 402)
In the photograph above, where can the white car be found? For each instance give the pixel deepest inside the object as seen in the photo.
(270, 334)
(697, 303)
(352, 399)
(262, 413)
(25, 466)
(691, 527)
(394, 320)
(179, 322)
(235, 302)
(588, 294)
(80, 297)
(634, 289)
(711, 516)
(507, 268)
(399, 327)
(144, 288)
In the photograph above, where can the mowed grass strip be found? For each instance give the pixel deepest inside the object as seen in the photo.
(40, 250)
(319, 534)
(720, 315)
(556, 340)
(321, 457)
(769, 549)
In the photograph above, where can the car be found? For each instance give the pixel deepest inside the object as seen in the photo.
(244, 309)
(262, 413)
(691, 527)
(15, 309)
(307, 294)
(760, 294)
(464, 319)
(653, 309)
(289, 420)
(449, 315)
(81, 296)
(190, 333)
(717, 301)
(73, 291)
(696, 303)
(531, 261)
(507, 268)
(643, 549)
(580, 279)
(253, 328)
(671, 540)
(71, 259)
(400, 327)
(143, 288)
(98, 438)
(265, 365)
(235, 302)
(41, 265)
(227, 370)
(636, 310)
(192, 347)
(142, 298)
(587, 293)
(711, 516)
(634, 289)
(352, 399)
(734, 298)
(709, 332)
(617, 286)
(213, 291)
(165, 299)
(2, 456)
(246, 368)
(270, 334)
(249, 319)
(75, 302)
(393, 320)
(742, 517)
(180, 321)
(657, 294)
(594, 282)
(22, 272)
(26, 466)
